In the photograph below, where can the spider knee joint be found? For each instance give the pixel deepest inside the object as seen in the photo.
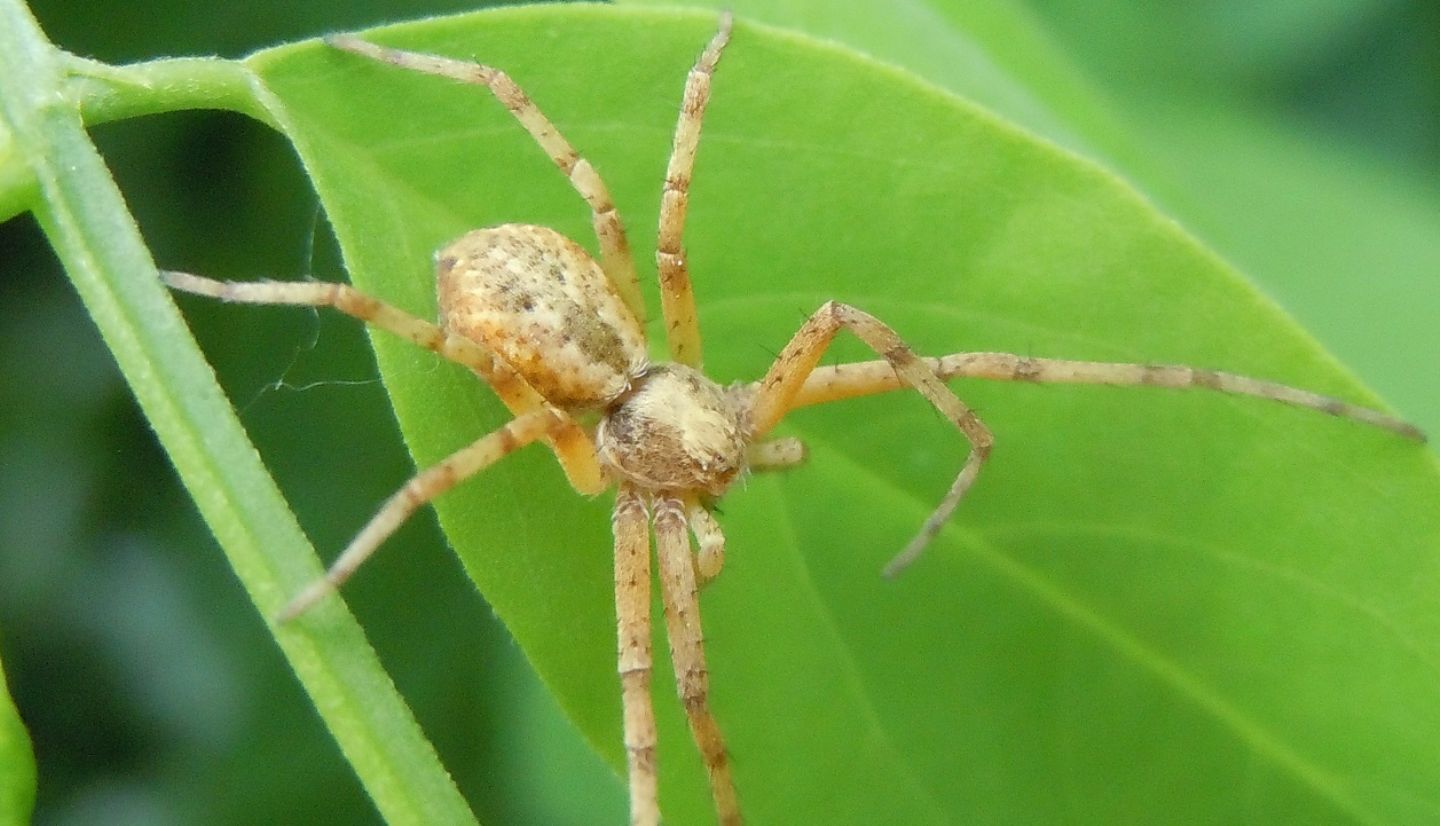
(628, 506)
(669, 514)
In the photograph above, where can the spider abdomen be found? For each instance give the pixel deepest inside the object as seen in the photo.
(539, 301)
(676, 430)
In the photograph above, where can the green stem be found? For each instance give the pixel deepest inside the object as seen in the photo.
(84, 215)
(106, 93)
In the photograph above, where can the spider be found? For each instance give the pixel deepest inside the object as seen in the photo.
(559, 336)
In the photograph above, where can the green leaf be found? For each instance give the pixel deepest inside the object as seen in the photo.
(1154, 606)
(17, 764)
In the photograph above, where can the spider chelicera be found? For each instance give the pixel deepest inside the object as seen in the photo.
(560, 338)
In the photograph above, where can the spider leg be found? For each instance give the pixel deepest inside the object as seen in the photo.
(572, 447)
(632, 613)
(687, 649)
(677, 297)
(776, 395)
(615, 255)
(847, 381)
(421, 489)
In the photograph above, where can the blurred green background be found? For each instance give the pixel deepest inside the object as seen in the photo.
(152, 691)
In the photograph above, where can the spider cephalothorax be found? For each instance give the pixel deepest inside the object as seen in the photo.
(675, 430)
(559, 336)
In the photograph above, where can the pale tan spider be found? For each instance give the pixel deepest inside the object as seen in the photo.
(560, 339)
